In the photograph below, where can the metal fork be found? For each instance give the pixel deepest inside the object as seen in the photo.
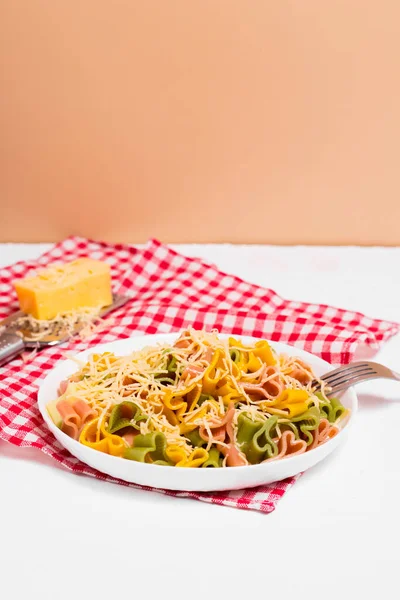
(344, 377)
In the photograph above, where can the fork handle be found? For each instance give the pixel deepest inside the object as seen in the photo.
(11, 345)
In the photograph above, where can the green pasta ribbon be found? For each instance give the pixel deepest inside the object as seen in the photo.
(331, 409)
(290, 427)
(255, 438)
(214, 459)
(125, 414)
(337, 410)
(324, 405)
(150, 445)
(235, 355)
(308, 422)
(195, 439)
(172, 365)
(169, 377)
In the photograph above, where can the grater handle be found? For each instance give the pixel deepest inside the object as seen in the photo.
(11, 345)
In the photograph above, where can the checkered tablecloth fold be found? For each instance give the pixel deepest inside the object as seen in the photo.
(170, 291)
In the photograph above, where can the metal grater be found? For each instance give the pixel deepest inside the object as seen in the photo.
(13, 340)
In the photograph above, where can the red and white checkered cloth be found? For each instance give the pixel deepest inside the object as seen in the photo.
(170, 291)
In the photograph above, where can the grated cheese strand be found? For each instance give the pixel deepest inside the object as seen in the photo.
(143, 377)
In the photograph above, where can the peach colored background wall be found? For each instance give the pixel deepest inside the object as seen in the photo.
(200, 120)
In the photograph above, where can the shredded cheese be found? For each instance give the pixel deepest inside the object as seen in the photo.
(36, 330)
(145, 377)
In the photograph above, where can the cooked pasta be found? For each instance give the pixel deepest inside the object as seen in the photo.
(200, 402)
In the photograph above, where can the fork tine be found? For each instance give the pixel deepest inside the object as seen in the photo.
(348, 370)
(342, 374)
(342, 377)
(352, 365)
(344, 385)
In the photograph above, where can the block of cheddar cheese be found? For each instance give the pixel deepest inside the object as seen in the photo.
(69, 287)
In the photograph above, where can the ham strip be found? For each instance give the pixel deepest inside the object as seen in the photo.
(85, 412)
(234, 458)
(75, 414)
(325, 432)
(183, 343)
(62, 388)
(302, 376)
(288, 446)
(129, 436)
(270, 386)
(220, 429)
(192, 371)
(208, 354)
(71, 419)
(218, 426)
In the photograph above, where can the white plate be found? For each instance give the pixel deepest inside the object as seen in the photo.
(173, 478)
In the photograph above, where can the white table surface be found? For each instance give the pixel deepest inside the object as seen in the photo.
(66, 536)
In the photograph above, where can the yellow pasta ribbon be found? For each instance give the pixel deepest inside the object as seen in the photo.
(101, 360)
(181, 411)
(196, 458)
(235, 370)
(228, 392)
(189, 423)
(101, 440)
(193, 397)
(175, 453)
(212, 374)
(175, 400)
(171, 416)
(289, 403)
(263, 351)
(250, 360)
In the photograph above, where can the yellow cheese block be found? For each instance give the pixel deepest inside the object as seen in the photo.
(58, 290)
